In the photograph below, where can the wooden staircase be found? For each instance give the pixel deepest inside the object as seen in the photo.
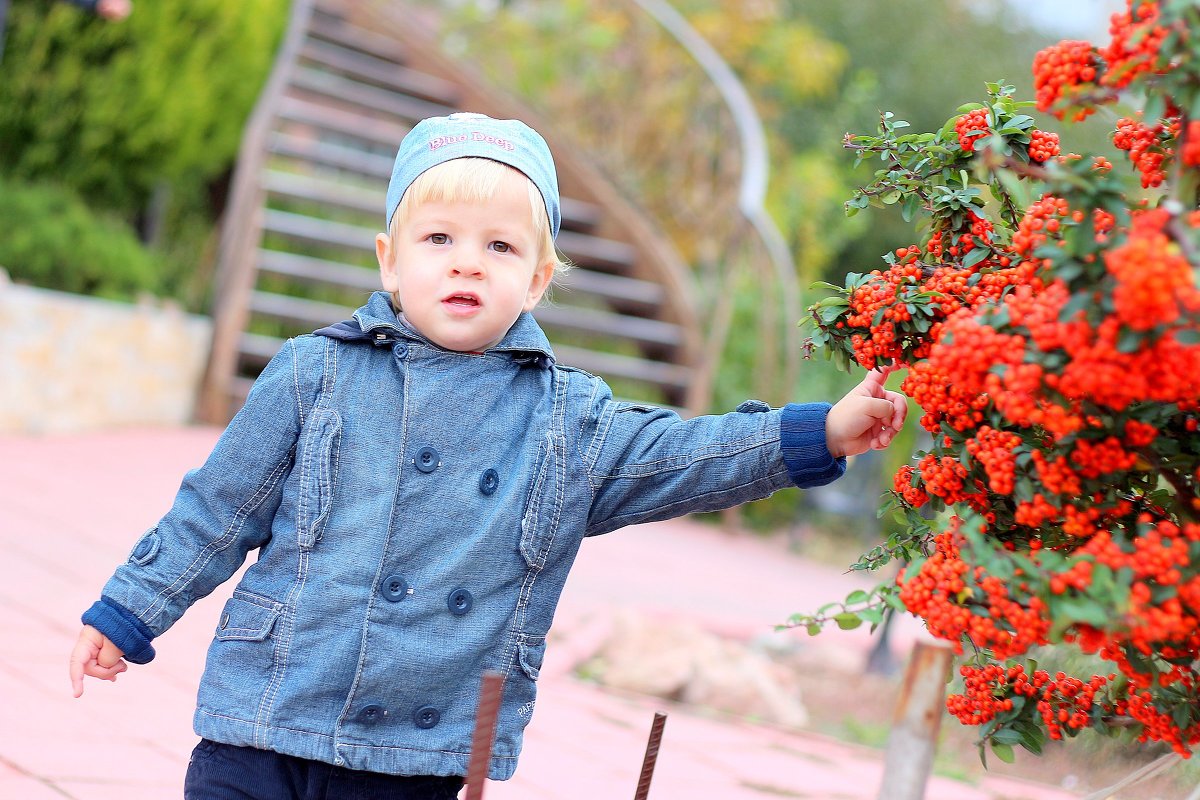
(297, 248)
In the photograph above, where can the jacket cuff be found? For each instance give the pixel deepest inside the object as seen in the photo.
(122, 628)
(802, 439)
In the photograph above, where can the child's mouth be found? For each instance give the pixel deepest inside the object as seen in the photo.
(463, 301)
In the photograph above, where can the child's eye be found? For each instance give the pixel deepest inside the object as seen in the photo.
(502, 247)
(439, 238)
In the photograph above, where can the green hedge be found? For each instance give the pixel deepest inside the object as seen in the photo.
(116, 109)
(53, 240)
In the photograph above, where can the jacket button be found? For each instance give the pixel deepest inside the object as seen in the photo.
(488, 481)
(427, 459)
(371, 714)
(143, 549)
(395, 588)
(459, 602)
(400, 350)
(426, 717)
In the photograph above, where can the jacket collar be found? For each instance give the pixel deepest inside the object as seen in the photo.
(378, 323)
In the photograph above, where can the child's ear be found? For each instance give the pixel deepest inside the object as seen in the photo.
(538, 285)
(388, 275)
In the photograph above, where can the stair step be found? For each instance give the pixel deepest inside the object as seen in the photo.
(671, 377)
(256, 349)
(382, 72)
(317, 270)
(327, 24)
(333, 156)
(318, 231)
(617, 291)
(377, 134)
(312, 314)
(327, 194)
(345, 92)
(643, 331)
(607, 255)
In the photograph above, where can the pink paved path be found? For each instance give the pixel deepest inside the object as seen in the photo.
(71, 506)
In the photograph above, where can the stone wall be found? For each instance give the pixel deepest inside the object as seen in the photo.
(73, 363)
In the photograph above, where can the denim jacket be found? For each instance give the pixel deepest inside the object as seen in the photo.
(415, 513)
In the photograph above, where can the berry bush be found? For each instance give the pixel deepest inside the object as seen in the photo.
(1049, 323)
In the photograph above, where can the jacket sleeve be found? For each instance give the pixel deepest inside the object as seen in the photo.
(648, 463)
(223, 510)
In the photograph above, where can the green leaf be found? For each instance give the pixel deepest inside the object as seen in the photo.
(847, 620)
(1004, 752)
(975, 256)
(1006, 736)
(872, 615)
(1129, 342)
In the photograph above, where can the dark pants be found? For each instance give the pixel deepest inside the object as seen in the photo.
(226, 772)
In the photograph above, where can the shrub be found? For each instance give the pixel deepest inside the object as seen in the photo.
(53, 240)
(1050, 323)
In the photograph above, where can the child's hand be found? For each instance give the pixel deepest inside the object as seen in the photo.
(94, 655)
(867, 418)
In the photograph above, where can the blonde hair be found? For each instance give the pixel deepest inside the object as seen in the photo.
(475, 180)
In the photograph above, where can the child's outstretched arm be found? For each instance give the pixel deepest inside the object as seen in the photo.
(96, 656)
(867, 418)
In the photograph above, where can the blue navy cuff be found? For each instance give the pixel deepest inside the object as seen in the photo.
(86, 5)
(805, 452)
(122, 628)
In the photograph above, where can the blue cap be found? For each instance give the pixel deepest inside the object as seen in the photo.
(437, 140)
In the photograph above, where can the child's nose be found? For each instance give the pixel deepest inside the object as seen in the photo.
(469, 267)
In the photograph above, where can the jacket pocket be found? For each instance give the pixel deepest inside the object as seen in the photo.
(543, 508)
(530, 652)
(247, 617)
(318, 459)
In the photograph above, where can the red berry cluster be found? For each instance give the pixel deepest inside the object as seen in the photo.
(902, 483)
(1059, 73)
(971, 126)
(1155, 283)
(1065, 703)
(947, 593)
(1146, 145)
(1136, 45)
(1043, 146)
(1190, 153)
(996, 451)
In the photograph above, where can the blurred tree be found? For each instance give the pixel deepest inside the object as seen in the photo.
(915, 60)
(141, 119)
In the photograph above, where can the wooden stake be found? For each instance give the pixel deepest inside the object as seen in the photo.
(919, 711)
(656, 732)
(490, 689)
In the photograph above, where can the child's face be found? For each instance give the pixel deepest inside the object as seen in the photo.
(462, 271)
